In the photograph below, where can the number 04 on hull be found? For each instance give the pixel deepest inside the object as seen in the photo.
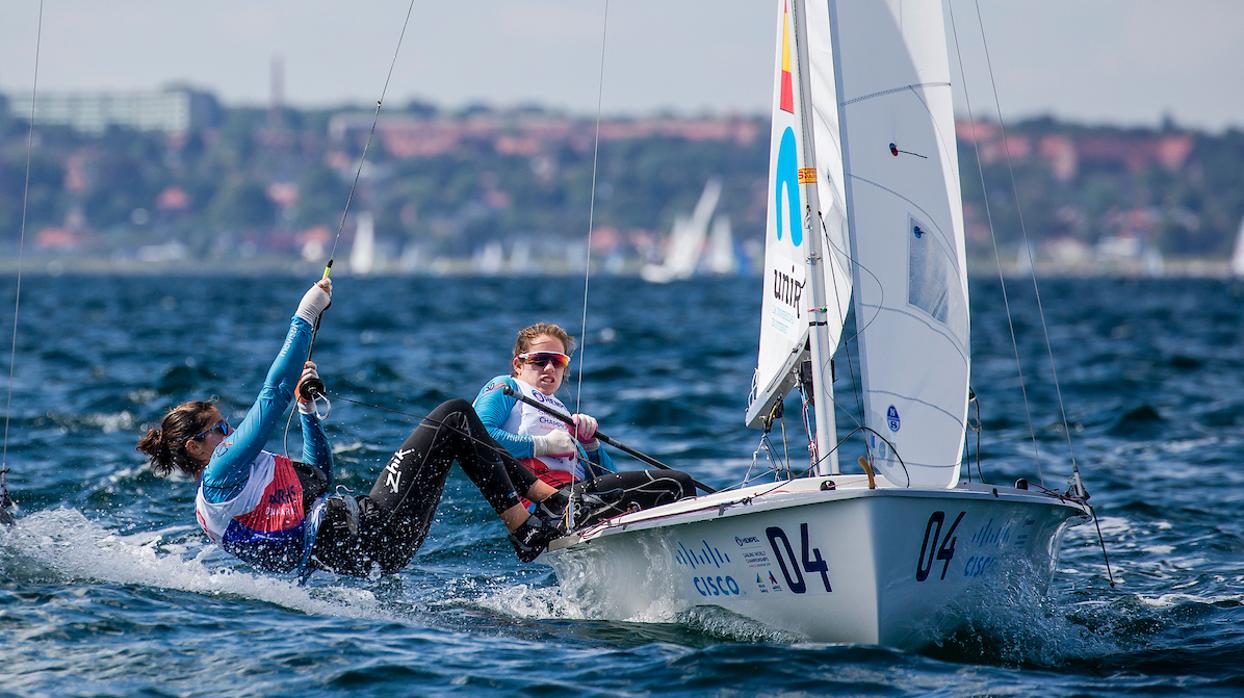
(890, 566)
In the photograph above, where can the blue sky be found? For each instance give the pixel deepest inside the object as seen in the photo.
(1118, 61)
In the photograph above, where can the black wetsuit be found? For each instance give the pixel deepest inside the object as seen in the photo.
(390, 523)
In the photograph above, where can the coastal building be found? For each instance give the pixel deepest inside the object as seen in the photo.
(173, 109)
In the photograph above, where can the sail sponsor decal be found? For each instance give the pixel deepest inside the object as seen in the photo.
(786, 99)
(787, 182)
(892, 419)
(788, 286)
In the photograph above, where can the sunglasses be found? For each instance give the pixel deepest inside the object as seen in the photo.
(541, 358)
(222, 426)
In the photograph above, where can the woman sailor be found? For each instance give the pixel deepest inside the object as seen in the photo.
(547, 445)
(274, 513)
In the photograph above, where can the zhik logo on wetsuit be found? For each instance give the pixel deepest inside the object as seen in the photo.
(393, 476)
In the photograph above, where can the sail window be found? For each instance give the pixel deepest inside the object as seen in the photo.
(928, 272)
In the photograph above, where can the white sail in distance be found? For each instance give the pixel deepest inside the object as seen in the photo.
(786, 300)
(906, 222)
(1237, 259)
(686, 241)
(363, 251)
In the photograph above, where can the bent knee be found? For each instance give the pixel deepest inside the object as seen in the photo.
(453, 406)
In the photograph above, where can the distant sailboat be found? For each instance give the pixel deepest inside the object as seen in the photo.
(1024, 259)
(686, 241)
(521, 260)
(720, 257)
(489, 259)
(363, 251)
(1237, 259)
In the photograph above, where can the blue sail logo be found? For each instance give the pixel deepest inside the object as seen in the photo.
(787, 179)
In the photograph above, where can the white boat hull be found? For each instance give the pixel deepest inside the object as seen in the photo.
(888, 566)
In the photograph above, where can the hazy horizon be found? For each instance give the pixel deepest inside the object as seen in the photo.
(1110, 62)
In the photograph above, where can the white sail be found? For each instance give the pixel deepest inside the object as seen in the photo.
(719, 256)
(784, 309)
(363, 251)
(906, 221)
(686, 241)
(1237, 259)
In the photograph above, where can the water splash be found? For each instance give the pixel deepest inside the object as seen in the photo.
(62, 545)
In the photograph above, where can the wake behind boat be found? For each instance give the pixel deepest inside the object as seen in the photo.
(864, 207)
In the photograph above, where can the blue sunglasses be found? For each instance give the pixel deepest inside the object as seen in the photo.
(222, 426)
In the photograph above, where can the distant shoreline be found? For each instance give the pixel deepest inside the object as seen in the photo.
(978, 269)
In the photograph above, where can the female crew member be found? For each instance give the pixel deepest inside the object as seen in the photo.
(274, 513)
(546, 445)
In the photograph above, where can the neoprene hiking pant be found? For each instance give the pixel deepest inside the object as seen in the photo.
(392, 521)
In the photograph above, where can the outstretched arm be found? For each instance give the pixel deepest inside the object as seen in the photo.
(229, 467)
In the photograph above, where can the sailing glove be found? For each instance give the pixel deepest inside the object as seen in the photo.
(557, 443)
(585, 430)
(305, 405)
(315, 301)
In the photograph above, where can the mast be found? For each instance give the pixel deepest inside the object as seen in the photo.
(822, 348)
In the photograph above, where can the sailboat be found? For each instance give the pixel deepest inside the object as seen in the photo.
(864, 208)
(1237, 258)
(686, 241)
(720, 256)
(363, 251)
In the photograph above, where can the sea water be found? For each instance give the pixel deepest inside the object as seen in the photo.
(108, 587)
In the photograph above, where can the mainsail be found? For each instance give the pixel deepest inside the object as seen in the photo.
(793, 215)
(906, 220)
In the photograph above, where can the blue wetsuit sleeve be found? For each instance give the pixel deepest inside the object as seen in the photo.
(230, 465)
(315, 449)
(493, 407)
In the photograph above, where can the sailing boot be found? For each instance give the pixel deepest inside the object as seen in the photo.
(532, 537)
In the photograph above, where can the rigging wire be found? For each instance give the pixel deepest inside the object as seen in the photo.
(1006, 302)
(591, 218)
(591, 208)
(1077, 481)
(1023, 229)
(370, 135)
(852, 366)
(315, 387)
(5, 501)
